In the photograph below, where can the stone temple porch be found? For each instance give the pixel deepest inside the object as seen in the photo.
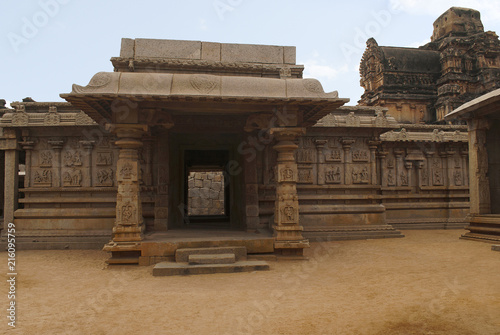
(187, 96)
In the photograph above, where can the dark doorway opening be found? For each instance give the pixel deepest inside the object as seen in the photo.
(206, 188)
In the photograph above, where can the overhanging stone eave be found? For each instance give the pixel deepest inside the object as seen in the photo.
(98, 105)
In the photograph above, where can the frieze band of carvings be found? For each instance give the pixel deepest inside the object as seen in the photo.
(52, 118)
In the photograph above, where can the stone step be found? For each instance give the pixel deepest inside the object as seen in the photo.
(175, 269)
(123, 260)
(212, 259)
(182, 255)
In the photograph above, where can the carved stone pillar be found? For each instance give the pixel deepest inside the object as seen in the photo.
(87, 179)
(320, 145)
(129, 226)
(11, 176)
(287, 230)
(346, 145)
(478, 167)
(27, 145)
(56, 146)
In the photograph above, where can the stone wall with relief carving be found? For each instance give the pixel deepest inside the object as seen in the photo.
(337, 179)
(425, 184)
(69, 186)
(352, 178)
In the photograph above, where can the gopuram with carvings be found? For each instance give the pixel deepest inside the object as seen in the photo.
(193, 144)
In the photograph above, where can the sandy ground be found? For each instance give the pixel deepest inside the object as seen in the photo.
(427, 283)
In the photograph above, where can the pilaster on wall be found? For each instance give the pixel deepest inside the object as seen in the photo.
(478, 167)
(11, 180)
(129, 226)
(161, 200)
(287, 229)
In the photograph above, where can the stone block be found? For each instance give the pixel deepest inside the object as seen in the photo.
(127, 48)
(212, 259)
(218, 177)
(205, 193)
(206, 203)
(251, 53)
(182, 255)
(214, 194)
(210, 51)
(210, 175)
(196, 203)
(216, 186)
(198, 183)
(194, 193)
(289, 55)
(167, 49)
(495, 247)
(207, 183)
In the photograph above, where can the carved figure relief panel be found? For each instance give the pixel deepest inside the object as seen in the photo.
(305, 176)
(360, 175)
(333, 174)
(334, 155)
(72, 178)
(42, 178)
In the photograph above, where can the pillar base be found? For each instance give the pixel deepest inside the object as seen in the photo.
(115, 246)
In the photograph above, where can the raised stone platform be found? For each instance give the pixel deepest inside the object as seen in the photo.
(484, 228)
(163, 246)
(339, 233)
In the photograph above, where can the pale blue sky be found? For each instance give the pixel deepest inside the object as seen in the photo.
(70, 40)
